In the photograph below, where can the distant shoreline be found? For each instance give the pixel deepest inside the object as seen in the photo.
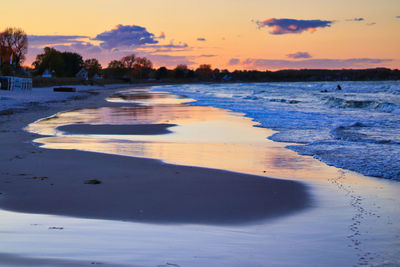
(248, 76)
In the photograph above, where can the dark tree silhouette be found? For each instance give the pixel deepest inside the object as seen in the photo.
(115, 70)
(181, 71)
(93, 67)
(129, 67)
(204, 72)
(13, 46)
(73, 63)
(142, 68)
(161, 73)
(129, 61)
(65, 64)
(50, 60)
(116, 64)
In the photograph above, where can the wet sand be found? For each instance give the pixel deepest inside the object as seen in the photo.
(15, 260)
(37, 180)
(140, 129)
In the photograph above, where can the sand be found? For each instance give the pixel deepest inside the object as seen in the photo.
(140, 129)
(158, 214)
(13, 260)
(37, 180)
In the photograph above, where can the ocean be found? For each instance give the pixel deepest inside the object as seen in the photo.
(355, 128)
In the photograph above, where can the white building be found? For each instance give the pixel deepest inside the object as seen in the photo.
(46, 74)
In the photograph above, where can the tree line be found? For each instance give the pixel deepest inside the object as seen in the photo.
(64, 64)
(131, 68)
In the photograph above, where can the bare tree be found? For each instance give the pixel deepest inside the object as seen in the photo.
(142, 63)
(115, 70)
(182, 67)
(204, 72)
(142, 68)
(13, 46)
(116, 64)
(129, 61)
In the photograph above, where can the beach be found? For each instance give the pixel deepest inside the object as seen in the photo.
(149, 163)
(136, 189)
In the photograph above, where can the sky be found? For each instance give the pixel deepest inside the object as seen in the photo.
(228, 34)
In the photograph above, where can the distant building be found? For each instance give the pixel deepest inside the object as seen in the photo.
(82, 74)
(46, 74)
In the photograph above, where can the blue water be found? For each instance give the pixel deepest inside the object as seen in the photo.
(356, 128)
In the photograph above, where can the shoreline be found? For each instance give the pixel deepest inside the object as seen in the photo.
(350, 220)
(53, 181)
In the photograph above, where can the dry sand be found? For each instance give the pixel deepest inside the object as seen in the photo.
(37, 180)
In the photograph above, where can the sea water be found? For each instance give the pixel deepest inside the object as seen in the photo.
(355, 128)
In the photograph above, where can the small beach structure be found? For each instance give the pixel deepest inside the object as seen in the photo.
(11, 83)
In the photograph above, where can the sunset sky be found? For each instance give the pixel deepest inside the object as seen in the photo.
(232, 34)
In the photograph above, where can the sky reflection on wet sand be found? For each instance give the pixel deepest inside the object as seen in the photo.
(204, 136)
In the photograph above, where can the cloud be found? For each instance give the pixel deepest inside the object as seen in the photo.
(87, 47)
(286, 26)
(164, 50)
(162, 36)
(43, 40)
(201, 39)
(355, 19)
(125, 36)
(207, 55)
(397, 17)
(234, 61)
(313, 63)
(299, 55)
(171, 47)
(114, 44)
(70, 43)
(169, 60)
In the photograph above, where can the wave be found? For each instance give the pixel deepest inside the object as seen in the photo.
(368, 159)
(335, 102)
(352, 134)
(282, 100)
